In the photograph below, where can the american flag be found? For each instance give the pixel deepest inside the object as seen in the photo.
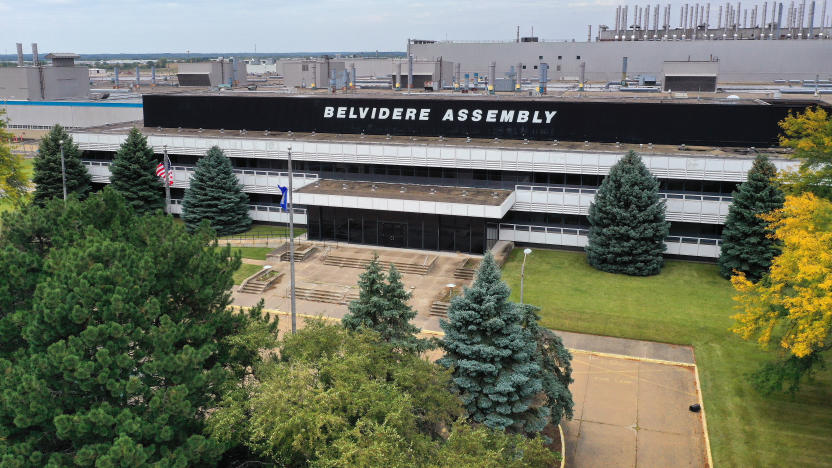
(161, 171)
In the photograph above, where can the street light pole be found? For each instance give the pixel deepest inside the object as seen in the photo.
(291, 244)
(526, 252)
(167, 179)
(63, 168)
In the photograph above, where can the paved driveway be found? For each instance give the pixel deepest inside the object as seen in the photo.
(631, 413)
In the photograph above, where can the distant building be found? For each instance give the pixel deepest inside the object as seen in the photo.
(313, 73)
(62, 79)
(215, 73)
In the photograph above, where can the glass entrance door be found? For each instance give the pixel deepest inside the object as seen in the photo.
(393, 234)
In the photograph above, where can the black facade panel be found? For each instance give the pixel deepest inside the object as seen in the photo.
(728, 124)
(705, 84)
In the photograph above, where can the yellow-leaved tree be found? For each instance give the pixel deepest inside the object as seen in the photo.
(809, 134)
(792, 306)
(13, 181)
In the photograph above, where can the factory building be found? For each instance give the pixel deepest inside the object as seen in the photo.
(459, 174)
(220, 72)
(61, 79)
(763, 43)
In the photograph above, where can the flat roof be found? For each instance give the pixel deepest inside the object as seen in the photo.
(482, 143)
(436, 193)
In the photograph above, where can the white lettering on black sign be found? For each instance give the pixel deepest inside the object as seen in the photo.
(460, 115)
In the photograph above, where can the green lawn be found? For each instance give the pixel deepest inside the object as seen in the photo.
(245, 271)
(688, 303)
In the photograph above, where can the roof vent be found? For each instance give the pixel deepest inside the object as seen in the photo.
(432, 191)
(586, 142)
(179, 130)
(467, 139)
(345, 187)
(373, 187)
(403, 189)
(158, 129)
(555, 143)
(266, 133)
(222, 130)
(388, 136)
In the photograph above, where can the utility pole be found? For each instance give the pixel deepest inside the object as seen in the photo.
(63, 168)
(168, 177)
(291, 245)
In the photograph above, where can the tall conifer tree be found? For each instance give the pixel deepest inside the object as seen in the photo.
(746, 243)
(627, 220)
(382, 306)
(47, 175)
(492, 355)
(216, 195)
(133, 174)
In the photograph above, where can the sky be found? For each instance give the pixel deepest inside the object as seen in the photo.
(148, 26)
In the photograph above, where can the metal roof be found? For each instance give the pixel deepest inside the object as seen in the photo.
(62, 55)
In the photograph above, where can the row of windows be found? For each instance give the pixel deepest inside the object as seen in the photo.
(450, 176)
(579, 221)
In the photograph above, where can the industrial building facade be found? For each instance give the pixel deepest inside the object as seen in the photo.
(393, 182)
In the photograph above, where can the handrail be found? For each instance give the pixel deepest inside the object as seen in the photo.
(584, 231)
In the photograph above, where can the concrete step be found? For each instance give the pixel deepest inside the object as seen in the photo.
(439, 309)
(350, 262)
(319, 295)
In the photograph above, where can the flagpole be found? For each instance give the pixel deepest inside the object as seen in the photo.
(167, 179)
(291, 245)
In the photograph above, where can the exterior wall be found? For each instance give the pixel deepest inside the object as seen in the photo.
(317, 73)
(740, 61)
(364, 67)
(218, 73)
(681, 207)
(58, 83)
(28, 118)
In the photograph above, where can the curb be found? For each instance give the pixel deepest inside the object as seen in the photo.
(704, 420)
(562, 447)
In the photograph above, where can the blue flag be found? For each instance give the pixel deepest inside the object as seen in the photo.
(283, 197)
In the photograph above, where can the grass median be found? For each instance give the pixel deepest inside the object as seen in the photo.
(688, 303)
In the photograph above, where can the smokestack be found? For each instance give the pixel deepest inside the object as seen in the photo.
(115, 69)
(811, 19)
(35, 59)
(410, 71)
(355, 77)
(457, 73)
(138, 77)
(623, 68)
(519, 76)
(492, 73)
(779, 20)
(583, 72)
(397, 81)
(153, 74)
(19, 54)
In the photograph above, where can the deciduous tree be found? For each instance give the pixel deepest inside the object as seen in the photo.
(215, 195)
(792, 306)
(13, 181)
(47, 175)
(133, 174)
(117, 337)
(809, 134)
(627, 221)
(747, 245)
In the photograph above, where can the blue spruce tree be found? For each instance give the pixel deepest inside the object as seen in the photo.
(493, 356)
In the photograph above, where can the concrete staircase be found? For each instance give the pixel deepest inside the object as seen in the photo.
(352, 262)
(319, 295)
(254, 287)
(439, 309)
(299, 256)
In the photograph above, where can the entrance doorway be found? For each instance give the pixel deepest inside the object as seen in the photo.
(393, 234)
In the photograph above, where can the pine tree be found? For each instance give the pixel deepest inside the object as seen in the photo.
(47, 174)
(216, 195)
(133, 174)
(746, 243)
(382, 306)
(122, 337)
(492, 355)
(627, 220)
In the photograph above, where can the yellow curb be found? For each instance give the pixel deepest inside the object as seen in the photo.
(704, 420)
(633, 358)
(562, 447)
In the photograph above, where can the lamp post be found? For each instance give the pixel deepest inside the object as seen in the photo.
(291, 243)
(526, 253)
(450, 287)
(168, 176)
(63, 168)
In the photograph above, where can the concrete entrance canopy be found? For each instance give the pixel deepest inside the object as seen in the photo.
(407, 198)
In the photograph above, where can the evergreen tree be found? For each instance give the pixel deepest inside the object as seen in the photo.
(47, 174)
(133, 174)
(382, 306)
(492, 355)
(555, 361)
(13, 181)
(117, 339)
(747, 245)
(216, 195)
(627, 221)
